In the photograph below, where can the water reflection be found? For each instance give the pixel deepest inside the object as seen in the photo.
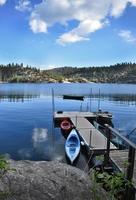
(41, 146)
(39, 136)
(22, 140)
(26, 153)
(41, 143)
(123, 98)
(129, 99)
(17, 97)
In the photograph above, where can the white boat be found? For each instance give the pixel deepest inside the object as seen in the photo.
(72, 146)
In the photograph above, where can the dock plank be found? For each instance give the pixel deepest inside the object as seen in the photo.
(93, 137)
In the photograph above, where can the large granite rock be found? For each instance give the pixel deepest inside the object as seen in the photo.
(45, 181)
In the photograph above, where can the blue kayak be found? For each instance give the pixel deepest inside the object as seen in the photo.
(72, 146)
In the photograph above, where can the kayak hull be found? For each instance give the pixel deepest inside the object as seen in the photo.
(72, 146)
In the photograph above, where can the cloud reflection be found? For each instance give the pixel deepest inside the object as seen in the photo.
(43, 147)
(25, 153)
(40, 135)
(41, 144)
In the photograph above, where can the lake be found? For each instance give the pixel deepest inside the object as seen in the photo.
(26, 115)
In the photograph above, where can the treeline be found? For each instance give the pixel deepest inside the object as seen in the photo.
(119, 73)
(15, 73)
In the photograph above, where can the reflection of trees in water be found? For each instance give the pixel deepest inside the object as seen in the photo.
(17, 97)
(128, 98)
(120, 98)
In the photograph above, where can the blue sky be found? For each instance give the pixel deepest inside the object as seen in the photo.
(54, 33)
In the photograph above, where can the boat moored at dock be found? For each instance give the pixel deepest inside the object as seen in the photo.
(72, 146)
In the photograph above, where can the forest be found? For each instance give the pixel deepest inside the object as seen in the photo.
(119, 73)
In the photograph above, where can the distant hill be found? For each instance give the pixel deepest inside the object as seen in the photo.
(16, 73)
(119, 73)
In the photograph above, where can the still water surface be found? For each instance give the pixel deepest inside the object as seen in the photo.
(26, 115)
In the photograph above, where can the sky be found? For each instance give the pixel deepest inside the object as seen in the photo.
(55, 33)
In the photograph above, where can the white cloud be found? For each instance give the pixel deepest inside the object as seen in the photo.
(38, 25)
(23, 5)
(118, 6)
(70, 38)
(81, 32)
(91, 15)
(2, 2)
(133, 2)
(128, 36)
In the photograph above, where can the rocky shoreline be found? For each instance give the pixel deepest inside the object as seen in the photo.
(44, 180)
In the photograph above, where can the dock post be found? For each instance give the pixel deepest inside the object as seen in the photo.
(108, 133)
(130, 194)
(131, 160)
(91, 100)
(87, 107)
(81, 107)
(90, 138)
(99, 100)
(53, 103)
(53, 132)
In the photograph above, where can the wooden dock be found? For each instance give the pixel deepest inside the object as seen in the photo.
(58, 115)
(91, 136)
(99, 144)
